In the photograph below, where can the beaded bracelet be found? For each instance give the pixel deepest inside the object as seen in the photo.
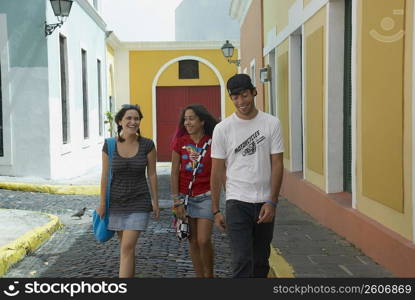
(175, 197)
(273, 203)
(177, 204)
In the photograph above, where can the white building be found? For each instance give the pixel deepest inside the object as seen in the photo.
(53, 89)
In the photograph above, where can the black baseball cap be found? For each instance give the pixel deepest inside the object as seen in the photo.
(238, 83)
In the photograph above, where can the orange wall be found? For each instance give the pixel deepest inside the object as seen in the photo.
(252, 44)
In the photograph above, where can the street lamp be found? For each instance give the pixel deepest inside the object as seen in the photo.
(265, 74)
(61, 9)
(227, 50)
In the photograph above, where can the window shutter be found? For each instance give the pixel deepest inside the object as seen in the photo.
(347, 110)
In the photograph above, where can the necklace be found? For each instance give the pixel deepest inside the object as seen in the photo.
(198, 141)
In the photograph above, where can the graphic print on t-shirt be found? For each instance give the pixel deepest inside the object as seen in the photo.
(193, 153)
(249, 146)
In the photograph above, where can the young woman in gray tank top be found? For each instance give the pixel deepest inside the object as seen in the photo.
(130, 199)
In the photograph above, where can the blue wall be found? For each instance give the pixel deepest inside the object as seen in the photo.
(25, 29)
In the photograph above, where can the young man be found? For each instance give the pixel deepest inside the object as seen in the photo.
(248, 147)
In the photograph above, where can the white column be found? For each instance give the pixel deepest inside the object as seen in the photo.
(334, 96)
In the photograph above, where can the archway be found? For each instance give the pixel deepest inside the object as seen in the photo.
(165, 117)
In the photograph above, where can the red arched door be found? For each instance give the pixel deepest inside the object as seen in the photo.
(169, 104)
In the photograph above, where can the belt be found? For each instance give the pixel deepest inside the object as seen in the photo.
(208, 193)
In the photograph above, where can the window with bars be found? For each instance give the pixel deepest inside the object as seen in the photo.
(64, 88)
(85, 93)
(188, 69)
(99, 85)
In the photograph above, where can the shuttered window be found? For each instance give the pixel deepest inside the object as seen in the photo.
(64, 88)
(347, 133)
(99, 86)
(85, 93)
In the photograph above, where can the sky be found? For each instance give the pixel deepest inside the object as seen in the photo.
(140, 20)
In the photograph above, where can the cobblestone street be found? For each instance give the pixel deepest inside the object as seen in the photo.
(73, 252)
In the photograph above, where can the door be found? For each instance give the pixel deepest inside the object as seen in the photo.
(170, 103)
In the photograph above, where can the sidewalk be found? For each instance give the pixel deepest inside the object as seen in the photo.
(300, 248)
(25, 232)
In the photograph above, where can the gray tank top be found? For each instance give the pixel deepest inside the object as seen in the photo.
(129, 188)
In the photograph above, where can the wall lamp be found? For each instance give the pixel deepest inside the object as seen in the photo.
(227, 50)
(265, 74)
(61, 9)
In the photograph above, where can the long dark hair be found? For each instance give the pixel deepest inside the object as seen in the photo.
(120, 114)
(203, 115)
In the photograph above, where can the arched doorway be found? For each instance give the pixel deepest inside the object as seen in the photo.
(168, 102)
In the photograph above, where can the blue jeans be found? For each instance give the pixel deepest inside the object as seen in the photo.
(250, 242)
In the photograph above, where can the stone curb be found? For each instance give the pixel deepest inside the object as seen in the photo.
(279, 267)
(28, 242)
(52, 189)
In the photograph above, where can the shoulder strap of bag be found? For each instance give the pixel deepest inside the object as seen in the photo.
(199, 159)
(111, 148)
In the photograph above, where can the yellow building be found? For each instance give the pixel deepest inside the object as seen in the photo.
(165, 77)
(343, 90)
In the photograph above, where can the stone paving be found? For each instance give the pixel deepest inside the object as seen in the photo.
(73, 252)
(310, 248)
(315, 251)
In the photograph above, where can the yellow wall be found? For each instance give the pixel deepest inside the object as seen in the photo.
(275, 14)
(282, 97)
(144, 65)
(384, 159)
(306, 2)
(314, 36)
(110, 62)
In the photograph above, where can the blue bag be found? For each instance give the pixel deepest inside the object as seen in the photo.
(100, 226)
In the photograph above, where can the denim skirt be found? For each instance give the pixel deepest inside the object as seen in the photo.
(199, 206)
(130, 221)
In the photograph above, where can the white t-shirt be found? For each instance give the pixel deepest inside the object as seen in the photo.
(246, 146)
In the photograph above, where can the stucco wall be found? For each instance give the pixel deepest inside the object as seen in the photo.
(314, 107)
(79, 155)
(252, 45)
(384, 148)
(24, 89)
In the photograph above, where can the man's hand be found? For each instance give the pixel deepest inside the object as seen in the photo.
(220, 222)
(267, 213)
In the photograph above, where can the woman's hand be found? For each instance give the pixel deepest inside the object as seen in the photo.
(180, 212)
(101, 211)
(156, 212)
